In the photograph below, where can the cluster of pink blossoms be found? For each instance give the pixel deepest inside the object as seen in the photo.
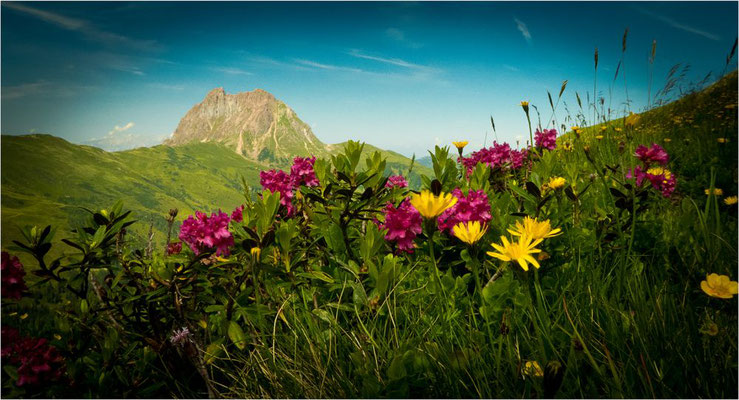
(498, 155)
(301, 173)
(174, 248)
(237, 215)
(546, 139)
(473, 207)
(13, 283)
(396, 181)
(203, 233)
(403, 224)
(38, 362)
(660, 178)
(649, 155)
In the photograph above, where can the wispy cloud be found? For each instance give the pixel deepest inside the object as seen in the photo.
(118, 129)
(88, 30)
(125, 141)
(393, 61)
(675, 24)
(511, 68)
(400, 37)
(523, 29)
(41, 88)
(231, 71)
(329, 67)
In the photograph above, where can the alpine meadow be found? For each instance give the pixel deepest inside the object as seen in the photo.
(260, 249)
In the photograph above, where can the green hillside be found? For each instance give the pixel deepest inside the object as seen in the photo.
(46, 180)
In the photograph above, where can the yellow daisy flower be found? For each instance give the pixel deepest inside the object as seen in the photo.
(730, 201)
(431, 206)
(519, 252)
(716, 192)
(534, 229)
(469, 232)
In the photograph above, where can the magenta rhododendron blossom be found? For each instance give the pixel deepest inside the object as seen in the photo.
(546, 139)
(13, 283)
(396, 181)
(498, 155)
(202, 233)
(473, 207)
(237, 215)
(280, 182)
(302, 173)
(403, 224)
(654, 154)
(9, 337)
(39, 361)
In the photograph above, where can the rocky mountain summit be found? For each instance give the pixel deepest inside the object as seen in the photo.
(254, 124)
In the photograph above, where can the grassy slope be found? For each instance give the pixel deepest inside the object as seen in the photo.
(46, 179)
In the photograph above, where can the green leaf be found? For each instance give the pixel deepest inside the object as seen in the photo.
(236, 334)
(317, 275)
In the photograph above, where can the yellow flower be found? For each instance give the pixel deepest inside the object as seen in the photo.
(603, 128)
(469, 232)
(555, 182)
(618, 129)
(632, 119)
(722, 140)
(460, 145)
(576, 130)
(256, 252)
(660, 171)
(716, 192)
(431, 206)
(719, 286)
(532, 368)
(730, 201)
(599, 137)
(524, 104)
(567, 146)
(534, 229)
(520, 251)
(667, 140)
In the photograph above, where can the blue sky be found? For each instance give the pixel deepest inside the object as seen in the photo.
(402, 76)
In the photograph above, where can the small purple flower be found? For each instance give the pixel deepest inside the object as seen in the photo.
(180, 337)
(396, 181)
(280, 182)
(174, 248)
(498, 155)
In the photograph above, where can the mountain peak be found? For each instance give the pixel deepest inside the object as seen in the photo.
(254, 124)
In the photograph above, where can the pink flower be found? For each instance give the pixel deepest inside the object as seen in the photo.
(302, 173)
(238, 214)
(403, 224)
(180, 336)
(174, 248)
(654, 154)
(203, 233)
(546, 139)
(13, 283)
(499, 155)
(38, 361)
(280, 182)
(660, 178)
(473, 207)
(10, 337)
(396, 181)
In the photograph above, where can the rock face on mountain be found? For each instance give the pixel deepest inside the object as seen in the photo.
(254, 124)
